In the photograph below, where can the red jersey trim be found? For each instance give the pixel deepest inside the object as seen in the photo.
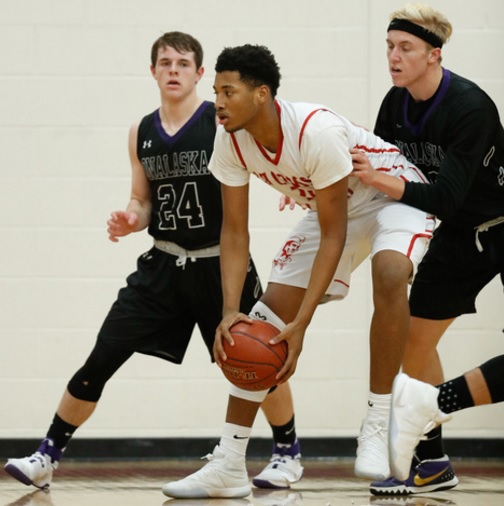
(305, 122)
(237, 149)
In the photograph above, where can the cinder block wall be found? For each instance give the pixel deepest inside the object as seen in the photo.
(74, 75)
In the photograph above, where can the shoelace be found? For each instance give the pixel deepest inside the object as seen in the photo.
(374, 428)
(38, 457)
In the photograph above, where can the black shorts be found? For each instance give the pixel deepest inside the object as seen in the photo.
(157, 311)
(453, 271)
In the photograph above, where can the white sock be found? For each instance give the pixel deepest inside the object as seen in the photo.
(379, 404)
(235, 439)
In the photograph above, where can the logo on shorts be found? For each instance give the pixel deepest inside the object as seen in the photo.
(289, 248)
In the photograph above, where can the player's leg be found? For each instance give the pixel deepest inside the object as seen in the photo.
(399, 236)
(485, 383)
(449, 278)
(225, 475)
(130, 321)
(421, 361)
(76, 406)
(278, 406)
(418, 406)
(391, 271)
(285, 466)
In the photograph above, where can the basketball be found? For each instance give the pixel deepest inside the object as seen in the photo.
(252, 363)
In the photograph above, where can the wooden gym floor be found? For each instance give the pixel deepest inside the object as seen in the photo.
(325, 483)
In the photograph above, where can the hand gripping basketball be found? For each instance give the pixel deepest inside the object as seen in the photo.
(252, 363)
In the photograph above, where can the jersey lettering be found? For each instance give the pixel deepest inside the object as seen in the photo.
(174, 209)
(425, 154)
(300, 185)
(185, 163)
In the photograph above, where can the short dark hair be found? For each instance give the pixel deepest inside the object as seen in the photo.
(255, 64)
(180, 42)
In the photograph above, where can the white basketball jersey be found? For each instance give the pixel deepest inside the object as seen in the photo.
(313, 153)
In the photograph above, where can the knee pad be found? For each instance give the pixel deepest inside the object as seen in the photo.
(261, 311)
(88, 382)
(248, 395)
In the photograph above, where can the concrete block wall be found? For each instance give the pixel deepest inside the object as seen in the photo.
(74, 75)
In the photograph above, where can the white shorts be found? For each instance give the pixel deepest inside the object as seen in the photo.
(382, 224)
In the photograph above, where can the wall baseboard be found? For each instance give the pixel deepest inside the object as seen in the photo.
(259, 448)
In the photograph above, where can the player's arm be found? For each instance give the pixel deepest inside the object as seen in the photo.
(136, 217)
(332, 215)
(363, 170)
(234, 258)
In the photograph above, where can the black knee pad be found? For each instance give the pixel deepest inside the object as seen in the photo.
(88, 382)
(492, 371)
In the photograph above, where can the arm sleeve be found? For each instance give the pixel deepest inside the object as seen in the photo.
(472, 130)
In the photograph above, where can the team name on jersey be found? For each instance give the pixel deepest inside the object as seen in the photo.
(183, 163)
(423, 154)
(302, 185)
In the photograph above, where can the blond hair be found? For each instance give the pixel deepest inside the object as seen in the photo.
(425, 16)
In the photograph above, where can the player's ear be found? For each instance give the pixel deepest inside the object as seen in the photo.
(263, 93)
(435, 55)
(199, 73)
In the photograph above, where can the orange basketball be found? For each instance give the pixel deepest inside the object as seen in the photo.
(252, 363)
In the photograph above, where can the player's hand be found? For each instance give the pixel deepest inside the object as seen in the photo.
(294, 334)
(362, 168)
(286, 201)
(121, 223)
(222, 332)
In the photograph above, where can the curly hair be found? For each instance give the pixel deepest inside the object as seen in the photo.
(255, 64)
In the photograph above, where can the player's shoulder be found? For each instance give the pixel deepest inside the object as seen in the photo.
(301, 109)
(467, 95)
(309, 116)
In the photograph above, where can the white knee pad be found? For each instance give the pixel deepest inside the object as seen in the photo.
(248, 395)
(261, 311)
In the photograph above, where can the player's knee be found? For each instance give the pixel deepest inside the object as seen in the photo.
(88, 382)
(391, 273)
(261, 311)
(248, 395)
(84, 387)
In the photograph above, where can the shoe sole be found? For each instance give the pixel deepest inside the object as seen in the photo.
(269, 484)
(200, 493)
(17, 474)
(369, 474)
(408, 490)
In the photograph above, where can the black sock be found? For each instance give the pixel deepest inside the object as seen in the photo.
(432, 447)
(285, 434)
(60, 432)
(454, 395)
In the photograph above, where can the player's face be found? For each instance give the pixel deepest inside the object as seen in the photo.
(408, 58)
(236, 102)
(176, 73)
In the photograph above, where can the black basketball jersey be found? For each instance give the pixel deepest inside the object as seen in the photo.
(457, 140)
(186, 199)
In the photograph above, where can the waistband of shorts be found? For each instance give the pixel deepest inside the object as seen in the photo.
(176, 250)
